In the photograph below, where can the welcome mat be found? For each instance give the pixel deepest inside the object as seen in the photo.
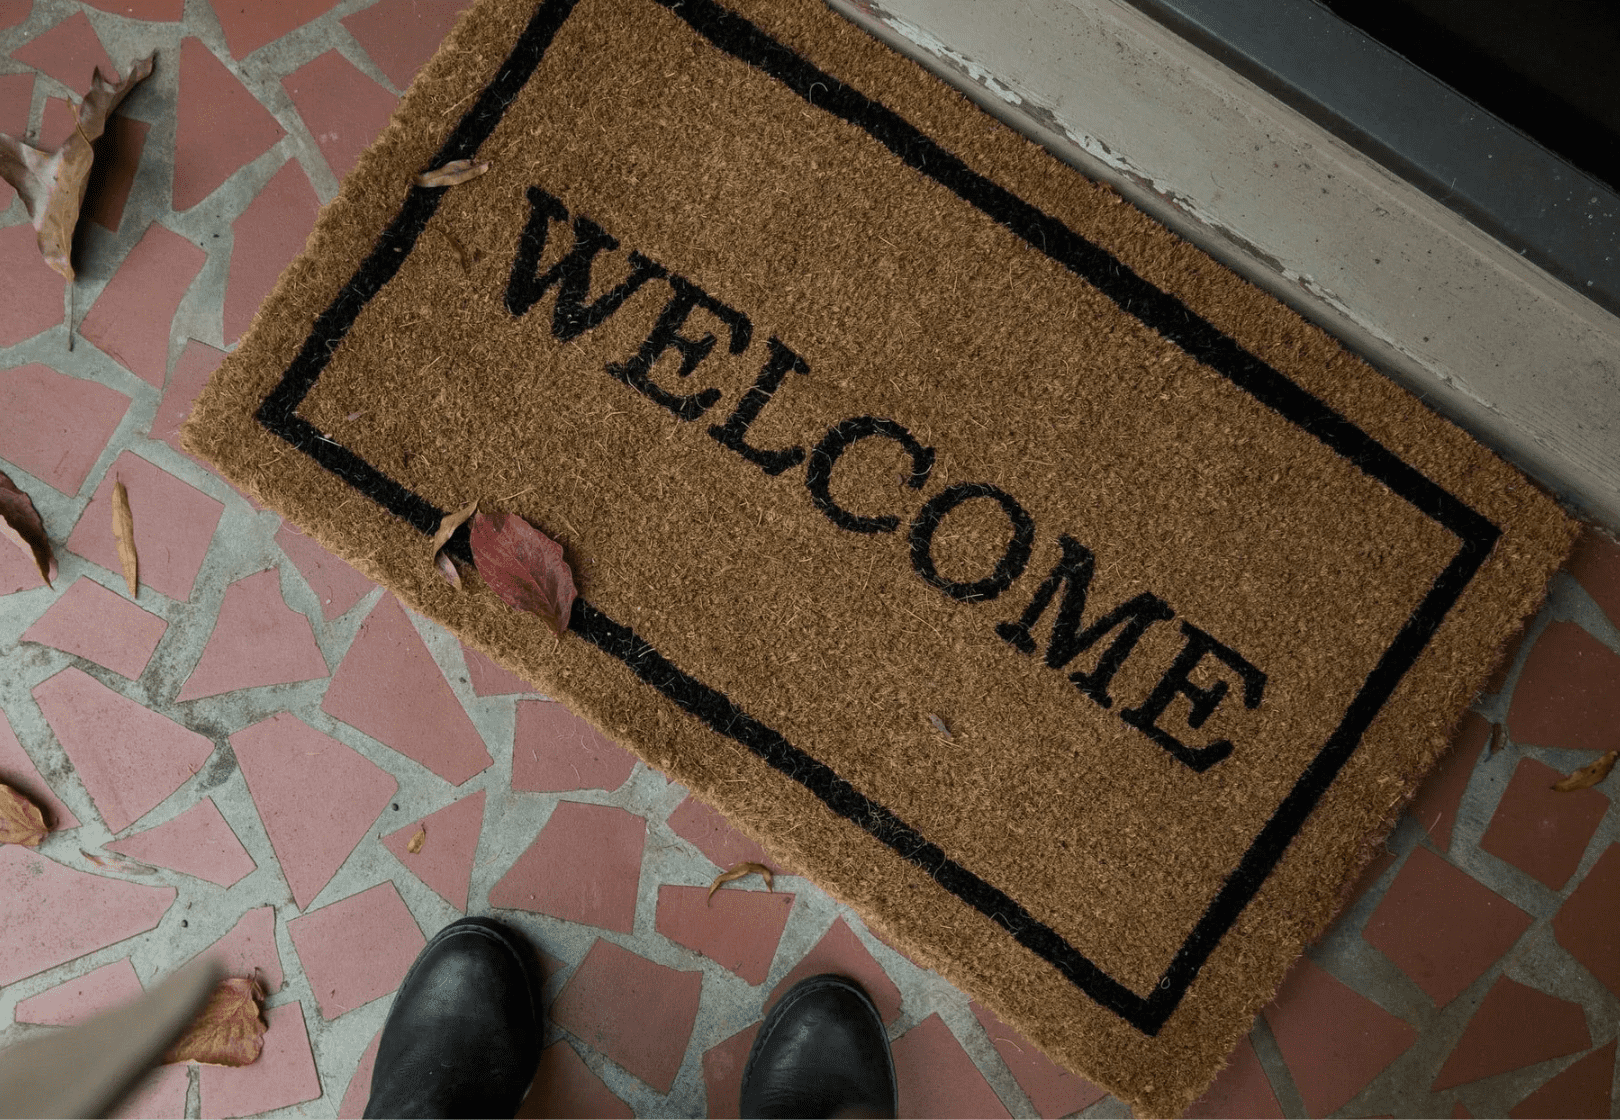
(1035, 585)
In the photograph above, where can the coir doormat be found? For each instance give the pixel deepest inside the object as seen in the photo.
(1035, 585)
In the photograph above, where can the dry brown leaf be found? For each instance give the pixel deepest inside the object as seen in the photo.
(524, 567)
(21, 525)
(737, 872)
(939, 726)
(1588, 776)
(447, 569)
(417, 840)
(118, 863)
(450, 522)
(124, 531)
(52, 183)
(452, 173)
(229, 1031)
(21, 822)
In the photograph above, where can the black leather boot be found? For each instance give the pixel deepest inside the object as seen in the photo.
(822, 1051)
(463, 1035)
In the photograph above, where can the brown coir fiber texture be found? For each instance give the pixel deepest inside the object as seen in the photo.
(857, 415)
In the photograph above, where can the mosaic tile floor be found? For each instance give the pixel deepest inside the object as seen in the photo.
(238, 760)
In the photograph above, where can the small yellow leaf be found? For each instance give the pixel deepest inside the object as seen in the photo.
(1588, 776)
(124, 532)
(740, 870)
(417, 840)
(21, 822)
(228, 1032)
(452, 173)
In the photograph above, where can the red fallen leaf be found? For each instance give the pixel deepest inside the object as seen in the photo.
(21, 822)
(524, 567)
(229, 1031)
(20, 524)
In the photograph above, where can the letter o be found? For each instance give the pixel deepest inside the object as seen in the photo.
(1008, 568)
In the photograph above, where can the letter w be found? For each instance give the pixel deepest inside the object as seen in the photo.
(1132, 618)
(572, 316)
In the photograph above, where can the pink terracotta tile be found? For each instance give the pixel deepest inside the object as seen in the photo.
(585, 866)
(249, 949)
(400, 35)
(250, 24)
(710, 833)
(56, 124)
(266, 237)
(356, 950)
(937, 1078)
(637, 1013)
(154, 11)
(489, 679)
(1568, 693)
(17, 571)
(257, 640)
(390, 687)
(722, 1073)
(16, 97)
(344, 109)
(353, 1106)
(1540, 831)
(564, 1086)
(128, 757)
(284, 1074)
(1241, 1089)
(18, 771)
(555, 750)
(1333, 1040)
(131, 318)
(737, 929)
(445, 859)
(70, 52)
(198, 842)
(54, 426)
(1584, 1089)
(219, 126)
(160, 1094)
(840, 951)
(316, 797)
(101, 626)
(174, 526)
(1053, 1090)
(112, 175)
(74, 1001)
(55, 914)
(1441, 927)
(1596, 564)
(335, 583)
(1515, 1026)
(13, 12)
(1435, 806)
(1588, 924)
(34, 291)
(196, 364)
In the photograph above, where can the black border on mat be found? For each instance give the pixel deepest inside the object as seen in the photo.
(1156, 309)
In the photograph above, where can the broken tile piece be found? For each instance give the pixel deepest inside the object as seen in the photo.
(284, 1074)
(1240, 1090)
(56, 914)
(1580, 1090)
(99, 625)
(737, 929)
(584, 866)
(316, 797)
(344, 109)
(73, 1001)
(554, 750)
(1588, 924)
(70, 52)
(1053, 1090)
(710, 833)
(17, 572)
(54, 426)
(249, 949)
(445, 859)
(1515, 1026)
(128, 757)
(257, 640)
(198, 842)
(937, 1078)
(34, 290)
(112, 175)
(249, 26)
(174, 526)
(722, 1073)
(1435, 806)
(131, 318)
(390, 687)
(564, 1086)
(353, 1106)
(637, 1013)
(1568, 693)
(489, 679)
(1540, 831)
(356, 950)
(400, 35)
(265, 238)
(337, 585)
(220, 126)
(16, 98)
(196, 364)
(157, 1096)
(840, 951)
(1596, 564)
(18, 771)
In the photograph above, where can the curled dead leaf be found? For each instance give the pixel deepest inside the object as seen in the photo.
(229, 1031)
(450, 522)
(737, 871)
(20, 524)
(455, 172)
(939, 726)
(124, 533)
(417, 840)
(21, 821)
(118, 863)
(524, 567)
(1588, 776)
(52, 184)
